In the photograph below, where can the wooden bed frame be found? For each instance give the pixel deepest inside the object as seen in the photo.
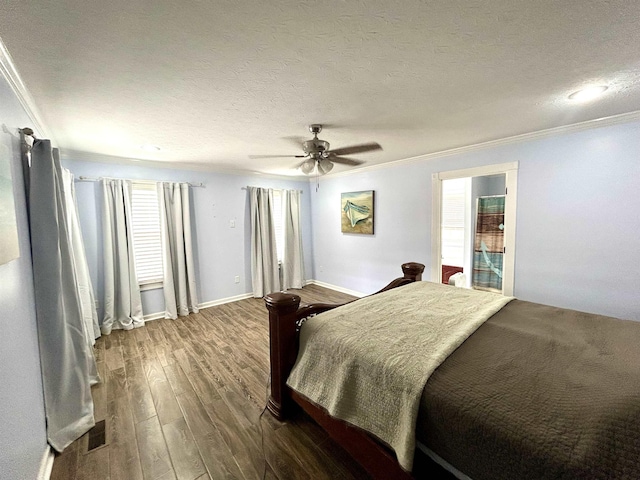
(286, 315)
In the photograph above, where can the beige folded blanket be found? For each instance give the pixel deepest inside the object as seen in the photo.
(367, 362)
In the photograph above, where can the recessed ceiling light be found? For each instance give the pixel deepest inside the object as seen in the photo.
(150, 148)
(588, 93)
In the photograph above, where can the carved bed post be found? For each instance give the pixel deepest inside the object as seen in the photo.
(284, 312)
(282, 339)
(413, 271)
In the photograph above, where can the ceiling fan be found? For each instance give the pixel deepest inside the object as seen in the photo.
(319, 158)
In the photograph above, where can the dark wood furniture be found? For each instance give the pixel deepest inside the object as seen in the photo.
(285, 317)
(447, 271)
(554, 394)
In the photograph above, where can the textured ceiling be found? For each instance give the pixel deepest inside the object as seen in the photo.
(214, 82)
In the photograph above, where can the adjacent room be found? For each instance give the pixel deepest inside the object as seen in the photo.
(188, 190)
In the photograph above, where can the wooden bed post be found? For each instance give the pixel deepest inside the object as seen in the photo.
(413, 271)
(284, 313)
(282, 347)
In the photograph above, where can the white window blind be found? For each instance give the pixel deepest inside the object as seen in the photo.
(453, 218)
(278, 223)
(146, 233)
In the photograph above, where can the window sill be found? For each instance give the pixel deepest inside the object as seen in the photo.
(150, 286)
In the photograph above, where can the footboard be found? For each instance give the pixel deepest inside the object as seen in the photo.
(285, 318)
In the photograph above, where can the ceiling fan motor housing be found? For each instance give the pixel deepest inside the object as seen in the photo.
(318, 157)
(315, 146)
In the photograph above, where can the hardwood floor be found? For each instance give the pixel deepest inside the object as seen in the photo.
(183, 400)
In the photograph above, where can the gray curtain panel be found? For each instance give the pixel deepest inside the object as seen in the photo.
(179, 283)
(85, 288)
(264, 257)
(293, 261)
(122, 303)
(65, 353)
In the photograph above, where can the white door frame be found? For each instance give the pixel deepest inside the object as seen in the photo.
(510, 170)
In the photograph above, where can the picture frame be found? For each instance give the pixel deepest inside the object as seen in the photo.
(357, 212)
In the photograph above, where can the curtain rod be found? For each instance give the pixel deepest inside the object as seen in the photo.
(251, 186)
(27, 143)
(28, 132)
(82, 178)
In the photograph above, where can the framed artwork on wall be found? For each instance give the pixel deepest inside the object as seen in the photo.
(357, 212)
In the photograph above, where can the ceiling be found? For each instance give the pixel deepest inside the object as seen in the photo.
(214, 82)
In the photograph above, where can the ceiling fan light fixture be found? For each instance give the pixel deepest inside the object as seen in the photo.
(324, 166)
(588, 93)
(308, 166)
(319, 157)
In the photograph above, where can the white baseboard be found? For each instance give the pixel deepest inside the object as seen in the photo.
(153, 316)
(336, 288)
(222, 301)
(46, 464)
(213, 303)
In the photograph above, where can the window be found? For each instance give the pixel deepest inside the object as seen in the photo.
(147, 240)
(454, 193)
(278, 221)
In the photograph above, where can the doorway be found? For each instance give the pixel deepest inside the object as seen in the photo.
(473, 227)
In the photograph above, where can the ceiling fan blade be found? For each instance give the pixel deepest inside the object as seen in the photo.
(295, 140)
(345, 160)
(365, 147)
(277, 156)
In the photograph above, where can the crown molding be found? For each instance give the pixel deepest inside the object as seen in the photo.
(81, 156)
(521, 138)
(10, 73)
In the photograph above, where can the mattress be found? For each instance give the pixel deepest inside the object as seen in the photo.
(538, 392)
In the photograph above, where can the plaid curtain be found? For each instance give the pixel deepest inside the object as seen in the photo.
(488, 250)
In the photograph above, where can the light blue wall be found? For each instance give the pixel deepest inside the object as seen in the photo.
(221, 252)
(22, 419)
(487, 185)
(578, 220)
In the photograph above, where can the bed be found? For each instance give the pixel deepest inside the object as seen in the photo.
(532, 392)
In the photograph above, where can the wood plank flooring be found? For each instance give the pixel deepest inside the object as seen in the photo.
(183, 400)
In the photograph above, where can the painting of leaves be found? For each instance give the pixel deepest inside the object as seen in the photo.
(8, 230)
(357, 212)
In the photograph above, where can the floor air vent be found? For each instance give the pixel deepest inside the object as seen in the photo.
(96, 436)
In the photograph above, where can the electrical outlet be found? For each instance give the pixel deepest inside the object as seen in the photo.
(237, 278)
